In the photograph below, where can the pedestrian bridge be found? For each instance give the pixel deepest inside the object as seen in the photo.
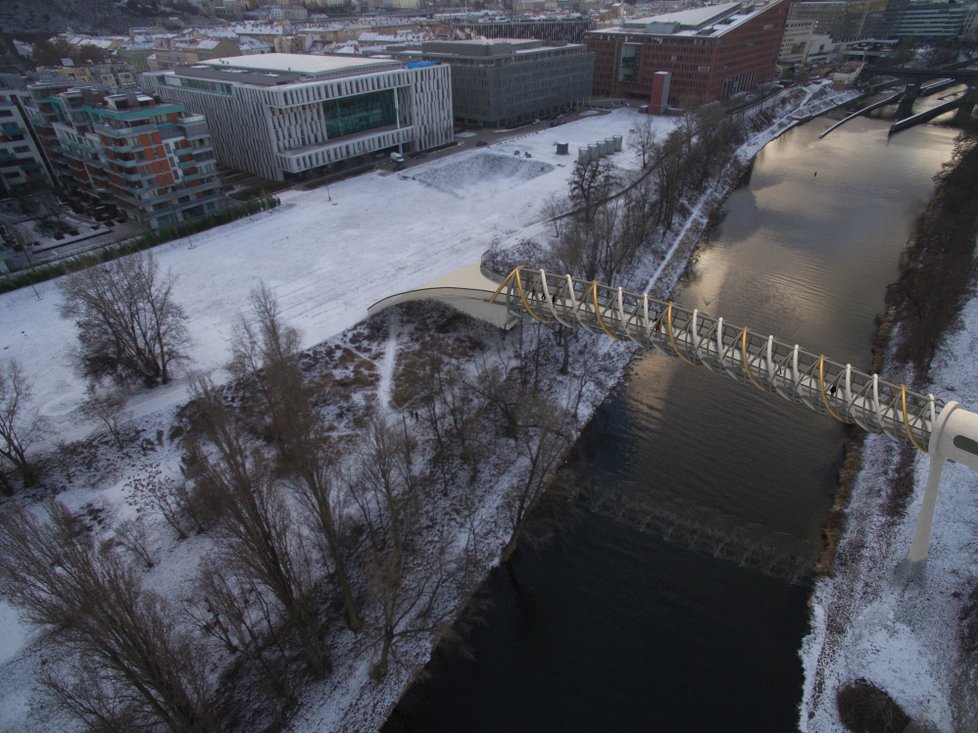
(943, 429)
(467, 290)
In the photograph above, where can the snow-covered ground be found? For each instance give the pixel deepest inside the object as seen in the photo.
(874, 620)
(326, 255)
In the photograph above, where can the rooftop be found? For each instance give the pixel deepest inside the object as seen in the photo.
(693, 18)
(296, 63)
(710, 21)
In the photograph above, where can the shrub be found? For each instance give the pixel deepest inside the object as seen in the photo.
(865, 708)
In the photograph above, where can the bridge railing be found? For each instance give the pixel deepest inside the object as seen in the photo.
(770, 365)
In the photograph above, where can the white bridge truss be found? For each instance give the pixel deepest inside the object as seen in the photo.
(943, 429)
(799, 376)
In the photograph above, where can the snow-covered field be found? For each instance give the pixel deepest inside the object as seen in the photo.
(326, 254)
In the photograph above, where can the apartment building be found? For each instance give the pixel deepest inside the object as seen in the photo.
(285, 116)
(153, 160)
(21, 160)
(711, 53)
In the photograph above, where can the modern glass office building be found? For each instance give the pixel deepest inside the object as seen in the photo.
(285, 116)
(509, 82)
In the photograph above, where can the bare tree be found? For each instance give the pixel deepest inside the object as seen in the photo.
(265, 355)
(186, 506)
(591, 182)
(146, 669)
(383, 487)
(257, 534)
(554, 208)
(405, 578)
(672, 175)
(19, 425)
(129, 326)
(410, 606)
(106, 403)
(543, 438)
(450, 408)
(645, 141)
(318, 491)
(238, 615)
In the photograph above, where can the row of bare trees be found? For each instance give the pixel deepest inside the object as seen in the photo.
(293, 531)
(613, 219)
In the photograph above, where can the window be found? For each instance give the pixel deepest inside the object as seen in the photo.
(351, 115)
(628, 67)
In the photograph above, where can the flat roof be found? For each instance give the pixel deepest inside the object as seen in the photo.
(693, 17)
(296, 62)
(712, 21)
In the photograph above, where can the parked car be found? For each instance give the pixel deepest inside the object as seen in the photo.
(481, 143)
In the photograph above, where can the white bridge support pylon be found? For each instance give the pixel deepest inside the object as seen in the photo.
(945, 430)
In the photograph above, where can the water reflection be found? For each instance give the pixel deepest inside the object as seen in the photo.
(616, 629)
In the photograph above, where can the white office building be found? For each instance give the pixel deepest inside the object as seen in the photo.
(284, 116)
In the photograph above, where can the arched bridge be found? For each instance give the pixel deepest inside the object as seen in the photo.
(943, 429)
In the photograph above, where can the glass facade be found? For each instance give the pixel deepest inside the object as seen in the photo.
(350, 115)
(630, 55)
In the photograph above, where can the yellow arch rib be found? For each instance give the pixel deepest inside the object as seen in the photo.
(526, 303)
(597, 310)
(746, 360)
(821, 389)
(672, 338)
(503, 284)
(906, 420)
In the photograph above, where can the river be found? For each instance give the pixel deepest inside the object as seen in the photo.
(612, 628)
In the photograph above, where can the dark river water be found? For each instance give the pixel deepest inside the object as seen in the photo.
(612, 628)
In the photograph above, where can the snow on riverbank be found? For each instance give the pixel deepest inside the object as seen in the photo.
(875, 621)
(326, 256)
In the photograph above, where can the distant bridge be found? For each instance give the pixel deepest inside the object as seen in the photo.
(948, 74)
(944, 429)
(958, 74)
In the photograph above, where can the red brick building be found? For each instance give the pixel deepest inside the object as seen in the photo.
(711, 52)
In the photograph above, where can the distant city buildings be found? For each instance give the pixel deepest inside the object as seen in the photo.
(22, 165)
(711, 53)
(802, 45)
(168, 53)
(116, 75)
(843, 20)
(926, 21)
(286, 116)
(504, 83)
(570, 29)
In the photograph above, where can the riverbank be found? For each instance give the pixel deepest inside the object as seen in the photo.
(873, 621)
(663, 270)
(369, 359)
